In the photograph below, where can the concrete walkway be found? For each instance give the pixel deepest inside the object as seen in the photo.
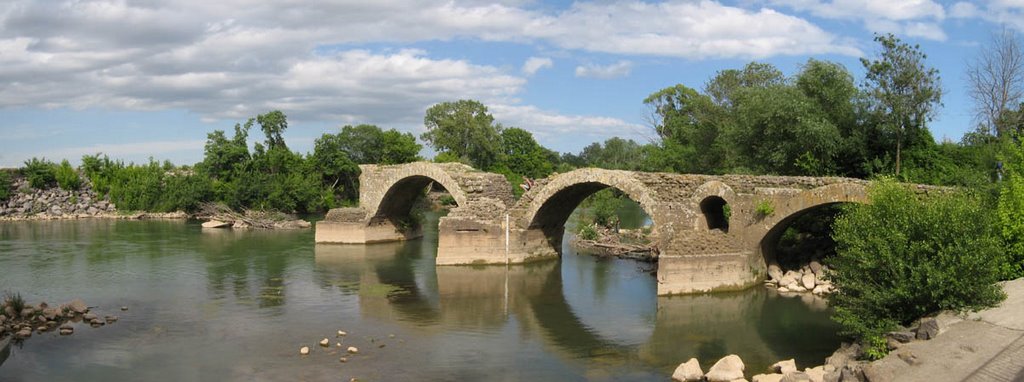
(985, 346)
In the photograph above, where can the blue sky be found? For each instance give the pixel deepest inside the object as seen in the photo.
(146, 78)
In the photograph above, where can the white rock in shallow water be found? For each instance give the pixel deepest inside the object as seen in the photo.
(767, 378)
(304, 350)
(325, 342)
(817, 373)
(727, 369)
(774, 272)
(808, 280)
(688, 371)
(216, 224)
(353, 349)
(342, 333)
(783, 367)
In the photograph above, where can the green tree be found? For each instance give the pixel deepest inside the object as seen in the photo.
(904, 256)
(690, 124)
(273, 125)
(902, 90)
(616, 153)
(66, 176)
(723, 87)
(464, 128)
(222, 157)
(368, 144)
(336, 170)
(780, 130)
(523, 155)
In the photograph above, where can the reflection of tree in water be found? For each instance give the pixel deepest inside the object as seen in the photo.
(383, 275)
(249, 263)
(399, 272)
(790, 326)
(566, 330)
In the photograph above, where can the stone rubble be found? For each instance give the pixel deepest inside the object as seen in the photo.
(54, 203)
(810, 278)
(41, 318)
(843, 366)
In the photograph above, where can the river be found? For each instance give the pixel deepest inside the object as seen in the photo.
(238, 305)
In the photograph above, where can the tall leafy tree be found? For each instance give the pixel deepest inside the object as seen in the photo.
(465, 129)
(368, 144)
(273, 125)
(690, 127)
(902, 90)
(523, 155)
(722, 89)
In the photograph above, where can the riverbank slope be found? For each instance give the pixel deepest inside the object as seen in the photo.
(984, 346)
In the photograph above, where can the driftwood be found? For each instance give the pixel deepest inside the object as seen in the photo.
(250, 218)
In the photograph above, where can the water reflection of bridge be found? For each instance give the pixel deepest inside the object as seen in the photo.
(396, 282)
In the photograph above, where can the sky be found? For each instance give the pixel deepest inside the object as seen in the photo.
(151, 78)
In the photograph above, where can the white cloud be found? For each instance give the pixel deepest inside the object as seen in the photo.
(914, 18)
(616, 70)
(963, 10)
(232, 59)
(533, 64)
(552, 125)
(1004, 12)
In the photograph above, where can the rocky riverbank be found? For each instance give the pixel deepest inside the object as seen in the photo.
(27, 203)
(987, 345)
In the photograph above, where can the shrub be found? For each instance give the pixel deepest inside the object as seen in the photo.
(1011, 211)
(904, 256)
(586, 232)
(764, 208)
(66, 176)
(15, 302)
(6, 183)
(39, 173)
(447, 200)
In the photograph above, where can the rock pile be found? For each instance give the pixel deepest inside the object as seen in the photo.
(843, 366)
(54, 203)
(22, 320)
(809, 278)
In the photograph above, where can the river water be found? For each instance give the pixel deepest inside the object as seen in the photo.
(238, 305)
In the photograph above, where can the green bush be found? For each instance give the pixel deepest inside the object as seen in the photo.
(447, 200)
(586, 232)
(6, 183)
(764, 208)
(904, 256)
(1011, 211)
(39, 173)
(67, 176)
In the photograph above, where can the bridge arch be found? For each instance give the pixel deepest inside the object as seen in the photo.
(790, 208)
(714, 200)
(391, 194)
(550, 206)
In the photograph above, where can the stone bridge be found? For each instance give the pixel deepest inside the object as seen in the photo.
(708, 229)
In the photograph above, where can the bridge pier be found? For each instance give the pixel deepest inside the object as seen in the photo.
(467, 242)
(331, 232)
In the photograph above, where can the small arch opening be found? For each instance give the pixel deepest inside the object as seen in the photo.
(717, 212)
